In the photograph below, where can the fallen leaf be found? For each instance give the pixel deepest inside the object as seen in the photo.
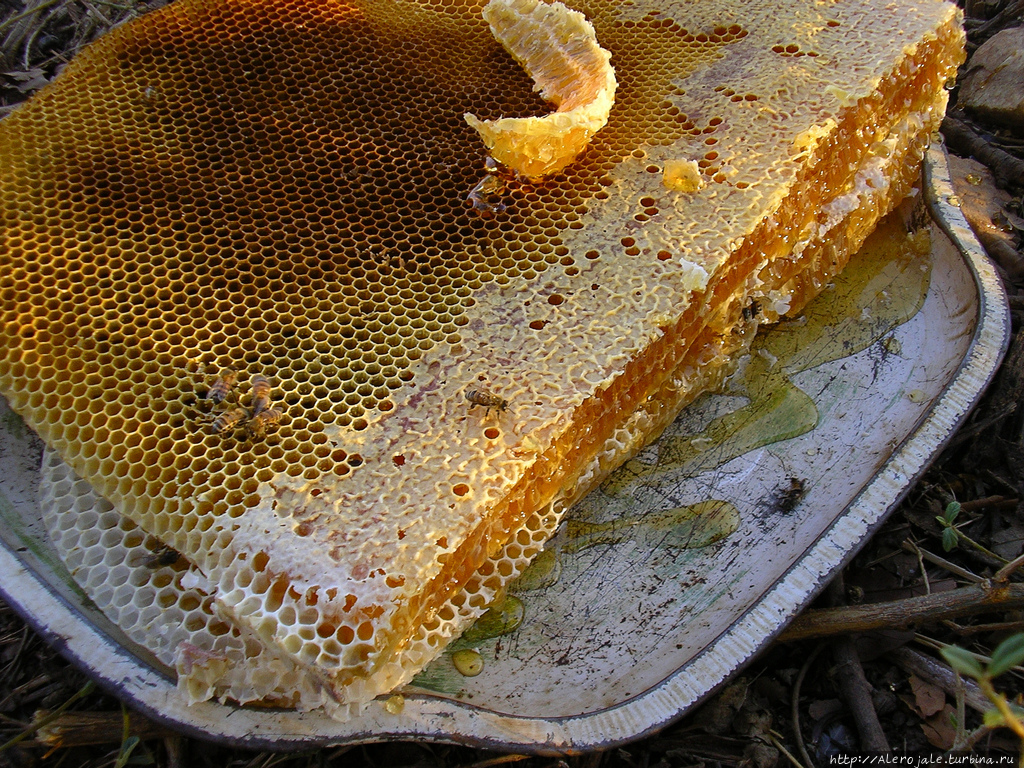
(823, 708)
(717, 714)
(23, 76)
(28, 80)
(1015, 221)
(928, 698)
(939, 729)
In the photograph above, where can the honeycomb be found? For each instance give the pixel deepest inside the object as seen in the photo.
(166, 605)
(285, 189)
(558, 48)
(160, 601)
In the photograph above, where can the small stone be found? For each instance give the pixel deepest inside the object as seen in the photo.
(993, 86)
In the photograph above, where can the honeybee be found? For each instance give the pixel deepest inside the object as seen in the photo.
(260, 394)
(228, 420)
(221, 386)
(164, 556)
(486, 399)
(752, 310)
(258, 424)
(786, 499)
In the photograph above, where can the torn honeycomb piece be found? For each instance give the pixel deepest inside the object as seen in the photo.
(682, 175)
(167, 608)
(559, 50)
(145, 244)
(170, 611)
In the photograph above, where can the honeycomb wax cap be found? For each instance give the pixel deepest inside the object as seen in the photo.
(280, 189)
(558, 48)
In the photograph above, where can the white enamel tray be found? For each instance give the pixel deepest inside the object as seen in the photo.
(672, 576)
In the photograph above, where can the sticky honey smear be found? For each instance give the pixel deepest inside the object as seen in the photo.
(558, 48)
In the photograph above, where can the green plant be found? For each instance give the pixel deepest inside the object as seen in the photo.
(128, 742)
(952, 535)
(1008, 654)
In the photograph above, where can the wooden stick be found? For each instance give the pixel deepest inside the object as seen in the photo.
(985, 30)
(85, 690)
(1007, 170)
(500, 760)
(956, 570)
(1003, 574)
(76, 729)
(996, 502)
(857, 693)
(902, 614)
(854, 686)
(966, 630)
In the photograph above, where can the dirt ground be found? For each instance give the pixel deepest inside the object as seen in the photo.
(841, 679)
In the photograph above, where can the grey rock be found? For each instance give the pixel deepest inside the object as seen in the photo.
(992, 87)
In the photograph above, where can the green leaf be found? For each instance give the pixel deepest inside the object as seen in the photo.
(951, 511)
(962, 661)
(1008, 654)
(993, 718)
(126, 751)
(950, 538)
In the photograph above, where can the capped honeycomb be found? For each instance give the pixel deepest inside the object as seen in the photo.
(288, 190)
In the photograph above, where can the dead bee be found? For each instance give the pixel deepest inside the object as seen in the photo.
(228, 420)
(486, 399)
(786, 499)
(164, 556)
(260, 394)
(752, 310)
(221, 386)
(258, 424)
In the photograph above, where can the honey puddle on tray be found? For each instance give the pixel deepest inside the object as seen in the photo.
(883, 287)
(689, 527)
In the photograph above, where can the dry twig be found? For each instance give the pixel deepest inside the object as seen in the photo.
(853, 684)
(902, 614)
(939, 674)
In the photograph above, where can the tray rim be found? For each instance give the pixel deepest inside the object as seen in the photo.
(447, 720)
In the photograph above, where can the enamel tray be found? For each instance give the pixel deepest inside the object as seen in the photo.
(677, 571)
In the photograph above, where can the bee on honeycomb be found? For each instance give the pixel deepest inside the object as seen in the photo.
(228, 420)
(258, 424)
(260, 394)
(221, 386)
(487, 399)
